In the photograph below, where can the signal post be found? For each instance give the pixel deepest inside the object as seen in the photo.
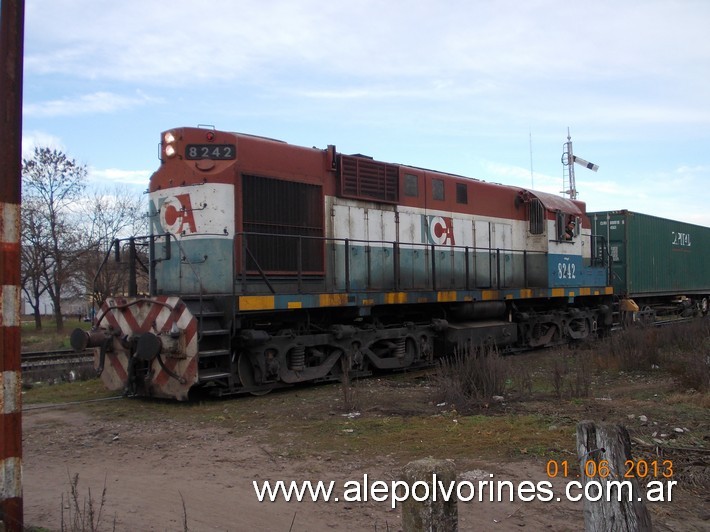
(11, 50)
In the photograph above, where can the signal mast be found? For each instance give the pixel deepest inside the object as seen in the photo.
(568, 158)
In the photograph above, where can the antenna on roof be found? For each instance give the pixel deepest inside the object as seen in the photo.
(568, 158)
(532, 175)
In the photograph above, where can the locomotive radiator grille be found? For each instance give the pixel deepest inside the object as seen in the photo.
(275, 212)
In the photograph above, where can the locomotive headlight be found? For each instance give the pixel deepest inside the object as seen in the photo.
(170, 150)
(168, 147)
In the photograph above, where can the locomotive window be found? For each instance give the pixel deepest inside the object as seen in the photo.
(537, 217)
(560, 224)
(461, 193)
(567, 226)
(437, 189)
(411, 185)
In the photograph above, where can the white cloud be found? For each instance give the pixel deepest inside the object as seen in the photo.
(605, 188)
(521, 177)
(39, 139)
(447, 86)
(120, 176)
(692, 171)
(467, 41)
(97, 102)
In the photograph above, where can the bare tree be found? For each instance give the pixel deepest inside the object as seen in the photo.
(54, 184)
(109, 214)
(35, 257)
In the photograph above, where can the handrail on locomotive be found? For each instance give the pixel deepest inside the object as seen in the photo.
(492, 274)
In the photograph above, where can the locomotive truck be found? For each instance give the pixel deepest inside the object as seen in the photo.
(271, 264)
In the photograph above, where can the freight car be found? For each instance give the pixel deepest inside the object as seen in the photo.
(272, 264)
(659, 267)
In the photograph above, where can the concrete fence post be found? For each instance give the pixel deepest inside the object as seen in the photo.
(425, 510)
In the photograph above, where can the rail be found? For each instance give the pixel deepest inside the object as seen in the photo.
(54, 359)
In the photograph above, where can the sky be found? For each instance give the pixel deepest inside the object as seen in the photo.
(486, 89)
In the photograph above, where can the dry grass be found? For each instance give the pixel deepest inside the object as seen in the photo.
(67, 392)
(82, 514)
(48, 337)
(449, 434)
(471, 377)
(571, 375)
(683, 350)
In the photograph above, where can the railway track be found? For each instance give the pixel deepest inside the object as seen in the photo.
(66, 364)
(56, 362)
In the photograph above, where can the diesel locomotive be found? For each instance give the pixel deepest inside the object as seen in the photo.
(271, 264)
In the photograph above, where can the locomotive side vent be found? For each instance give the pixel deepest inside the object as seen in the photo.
(362, 178)
(283, 221)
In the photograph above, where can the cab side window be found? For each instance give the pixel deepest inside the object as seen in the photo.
(560, 224)
(567, 227)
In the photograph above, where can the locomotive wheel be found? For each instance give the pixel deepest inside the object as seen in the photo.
(411, 352)
(246, 375)
(704, 305)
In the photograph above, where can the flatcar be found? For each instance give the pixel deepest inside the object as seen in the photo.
(659, 267)
(272, 264)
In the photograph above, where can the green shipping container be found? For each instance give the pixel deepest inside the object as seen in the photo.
(654, 256)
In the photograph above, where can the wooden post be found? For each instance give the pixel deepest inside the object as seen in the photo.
(602, 452)
(430, 514)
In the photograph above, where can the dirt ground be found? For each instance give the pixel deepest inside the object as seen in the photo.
(148, 477)
(171, 468)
